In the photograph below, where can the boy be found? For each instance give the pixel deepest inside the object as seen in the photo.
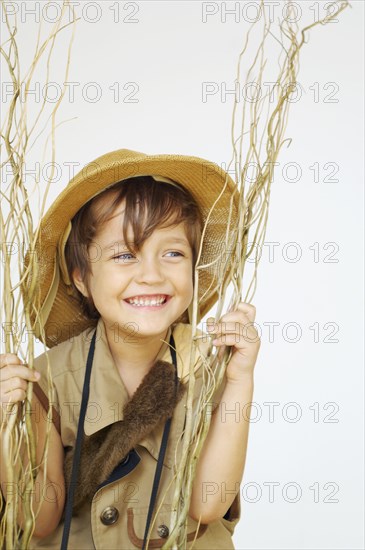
(117, 252)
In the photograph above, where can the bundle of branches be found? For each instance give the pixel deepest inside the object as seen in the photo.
(19, 500)
(262, 142)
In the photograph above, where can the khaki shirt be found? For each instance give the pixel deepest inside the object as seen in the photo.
(117, 516)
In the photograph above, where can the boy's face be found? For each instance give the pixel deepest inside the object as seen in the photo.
(139, 295)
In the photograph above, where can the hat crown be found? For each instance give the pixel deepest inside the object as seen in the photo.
(117, 155)
(108, 162)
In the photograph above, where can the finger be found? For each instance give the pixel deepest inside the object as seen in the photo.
(237, 340)
(13, 384)
(245, 313)
(244, 310)
(21, 371)
(14, 396)
(246, 329)
(247, 309)
(228, 323)
(9, 359)
(221, 351)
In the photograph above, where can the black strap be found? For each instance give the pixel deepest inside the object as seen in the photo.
(161, 454)
(79, 438)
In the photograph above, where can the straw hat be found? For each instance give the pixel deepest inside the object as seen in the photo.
(58, 310)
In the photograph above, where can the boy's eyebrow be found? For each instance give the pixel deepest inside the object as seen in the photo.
(173, 239)
(167, 240)
(112, 244)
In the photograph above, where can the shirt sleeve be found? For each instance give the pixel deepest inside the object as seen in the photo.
(45, 390)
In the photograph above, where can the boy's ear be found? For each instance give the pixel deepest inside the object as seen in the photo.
(79, 283)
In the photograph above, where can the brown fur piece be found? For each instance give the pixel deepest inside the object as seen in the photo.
(151, 404)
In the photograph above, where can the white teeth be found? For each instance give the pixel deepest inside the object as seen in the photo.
(147, 302)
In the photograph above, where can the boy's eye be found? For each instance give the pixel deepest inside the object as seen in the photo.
(175, 253)
(126, 256)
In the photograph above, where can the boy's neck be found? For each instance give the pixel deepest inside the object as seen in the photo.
(134, 359)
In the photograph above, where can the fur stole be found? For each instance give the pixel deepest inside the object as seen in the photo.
(151, 404)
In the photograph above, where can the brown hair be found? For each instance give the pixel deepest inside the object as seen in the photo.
(149, 204)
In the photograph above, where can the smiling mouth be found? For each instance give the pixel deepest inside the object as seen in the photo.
(157, 300)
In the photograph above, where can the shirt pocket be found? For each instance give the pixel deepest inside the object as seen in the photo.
(159, 530)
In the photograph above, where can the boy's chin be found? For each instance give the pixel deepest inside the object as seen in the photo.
(133, 329)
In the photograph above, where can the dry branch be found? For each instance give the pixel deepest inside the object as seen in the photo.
(253, 216)
(20, 291)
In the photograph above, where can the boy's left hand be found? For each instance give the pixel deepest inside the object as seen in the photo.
(237, 329)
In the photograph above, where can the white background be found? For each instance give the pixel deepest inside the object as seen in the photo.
(169, 52)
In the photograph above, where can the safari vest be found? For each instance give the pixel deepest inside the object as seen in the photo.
(116, 516)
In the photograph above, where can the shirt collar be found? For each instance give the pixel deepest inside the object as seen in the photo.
(108, 394)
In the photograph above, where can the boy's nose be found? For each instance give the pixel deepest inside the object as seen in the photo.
(149, 271)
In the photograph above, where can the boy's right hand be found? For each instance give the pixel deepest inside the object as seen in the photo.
(14, 378)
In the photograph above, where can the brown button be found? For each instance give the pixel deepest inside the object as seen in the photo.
(163, 531)
(109, 515)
